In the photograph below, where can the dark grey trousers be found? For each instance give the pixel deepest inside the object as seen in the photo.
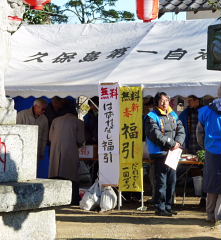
(213, 206)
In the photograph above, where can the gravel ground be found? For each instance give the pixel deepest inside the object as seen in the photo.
(129, 223)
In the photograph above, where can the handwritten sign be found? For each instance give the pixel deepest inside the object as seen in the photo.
(86, 151)
(108, 134)
(131, 146)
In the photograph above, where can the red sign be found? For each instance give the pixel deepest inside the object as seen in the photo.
(147, 10)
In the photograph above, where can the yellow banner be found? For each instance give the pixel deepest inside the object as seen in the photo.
(131, 145)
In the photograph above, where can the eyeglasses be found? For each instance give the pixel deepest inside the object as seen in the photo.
(164, 101)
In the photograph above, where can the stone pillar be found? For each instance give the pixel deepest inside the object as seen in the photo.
(26, 203)
(8, 9)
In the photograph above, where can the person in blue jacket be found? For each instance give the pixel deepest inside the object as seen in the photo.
(209, 136)
(164, 132)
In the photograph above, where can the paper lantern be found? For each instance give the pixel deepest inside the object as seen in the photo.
(37, 4)
(147, 10)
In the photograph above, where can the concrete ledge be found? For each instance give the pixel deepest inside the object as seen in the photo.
(21, 152)
(8, 116)
(39, 193)
(7, 111)
(28, 225)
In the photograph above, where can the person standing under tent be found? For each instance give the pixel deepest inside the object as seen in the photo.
(91, 121)
(54, 109)
(189, 118)
(209, 136)
(35, 116)
(58, 107)
(164, 132)
(91, 131)
(148, 107)
(66, 136)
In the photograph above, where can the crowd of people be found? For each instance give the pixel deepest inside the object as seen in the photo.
(197, 127)
(59, 126)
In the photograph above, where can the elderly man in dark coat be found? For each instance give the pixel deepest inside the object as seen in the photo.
(66, 136)
(209, 136)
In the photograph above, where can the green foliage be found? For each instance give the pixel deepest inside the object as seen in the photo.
(85, 11)
(216, 4)
(91, 11)
(201, 155)
(127, 16)
(115, 16)
(51, 14)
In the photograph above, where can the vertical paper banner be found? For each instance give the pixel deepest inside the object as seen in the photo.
(131, 145)
(108, 134)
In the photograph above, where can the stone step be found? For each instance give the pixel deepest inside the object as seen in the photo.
(20, 146)
(28, 225)
(34, 194)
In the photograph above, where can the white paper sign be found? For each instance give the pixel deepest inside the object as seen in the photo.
(86, 151)
(108, 134)
(173, 158)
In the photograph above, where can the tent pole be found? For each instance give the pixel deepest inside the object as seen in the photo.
(142, 199)
(142, 207)
(119, 200)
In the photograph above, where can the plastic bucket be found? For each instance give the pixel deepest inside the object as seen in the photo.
(198, 185)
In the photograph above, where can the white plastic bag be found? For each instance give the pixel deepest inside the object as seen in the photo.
(108, 199)
(91, 198)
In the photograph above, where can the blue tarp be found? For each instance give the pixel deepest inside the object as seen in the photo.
(25, 103)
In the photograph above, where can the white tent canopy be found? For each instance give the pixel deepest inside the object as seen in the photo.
(178, 66)
(73, 59)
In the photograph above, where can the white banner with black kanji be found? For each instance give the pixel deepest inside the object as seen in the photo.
(108, 134)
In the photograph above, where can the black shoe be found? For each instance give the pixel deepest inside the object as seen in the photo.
(75, 203)
(163, 213)
(202, 203)
(171, 211)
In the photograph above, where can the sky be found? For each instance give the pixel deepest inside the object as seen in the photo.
(130, 5)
